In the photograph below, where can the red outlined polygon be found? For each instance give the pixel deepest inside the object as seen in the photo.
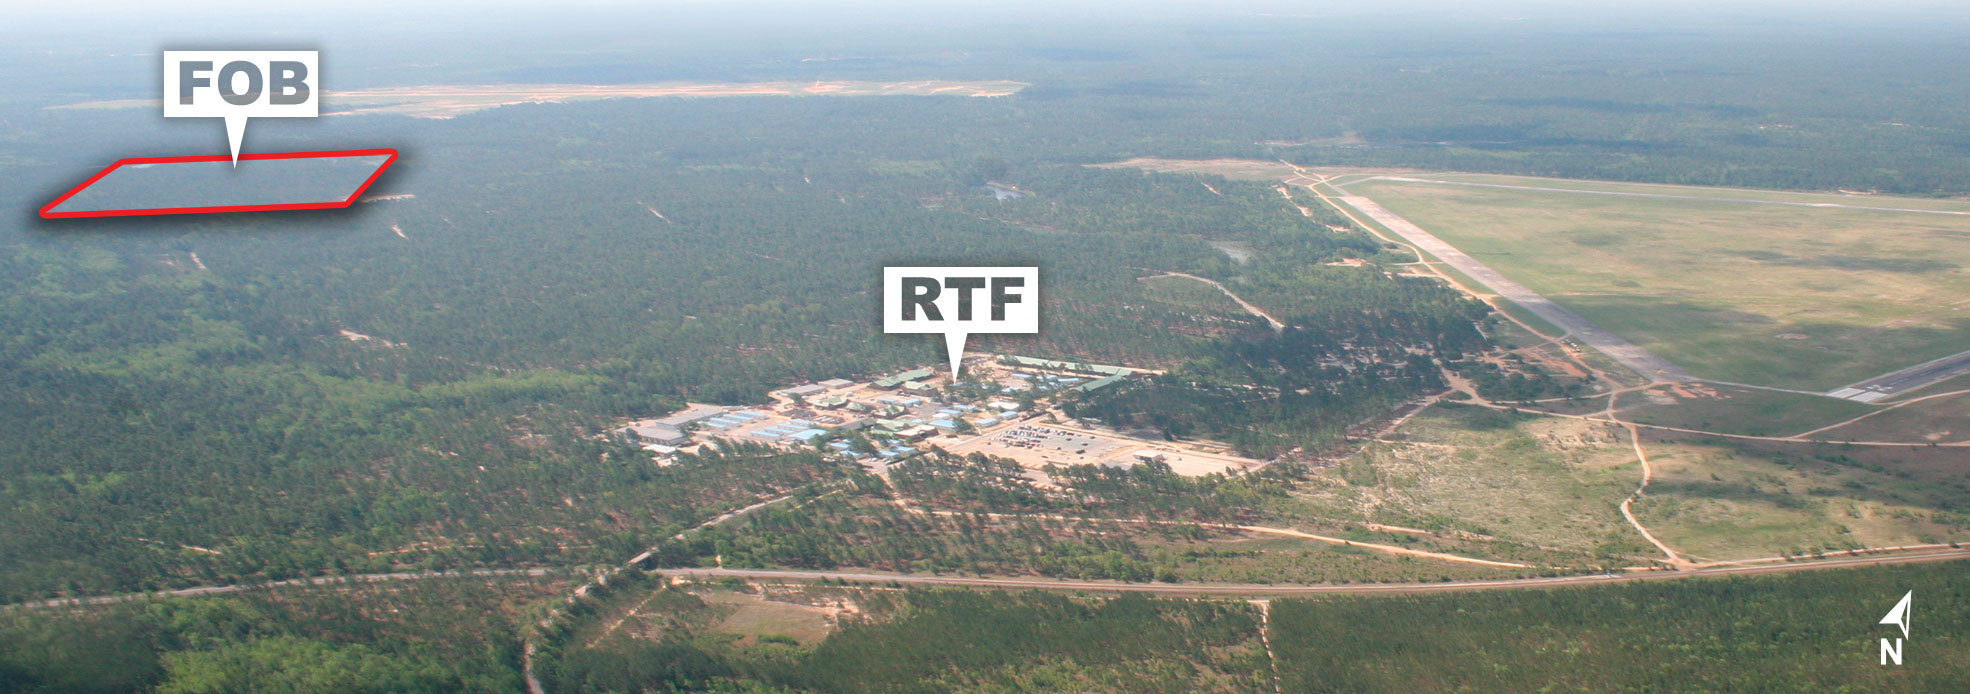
(330, 205)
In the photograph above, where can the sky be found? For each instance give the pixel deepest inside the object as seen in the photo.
(211, 12)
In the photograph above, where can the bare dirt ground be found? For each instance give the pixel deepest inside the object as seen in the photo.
(1038, 444)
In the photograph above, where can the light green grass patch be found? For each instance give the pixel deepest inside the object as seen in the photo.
(1714, 502)
(1800, 297)
(1532, 480)
(1743, 411)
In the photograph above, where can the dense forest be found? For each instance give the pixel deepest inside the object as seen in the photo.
(1799, 631)
(281, 396)
(431, 635)
(1811, 631)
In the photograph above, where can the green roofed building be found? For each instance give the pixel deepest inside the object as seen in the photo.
(1096, 384)
(902, 378)
(1068, 366)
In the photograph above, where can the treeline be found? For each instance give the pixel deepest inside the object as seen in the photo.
(1810, 631)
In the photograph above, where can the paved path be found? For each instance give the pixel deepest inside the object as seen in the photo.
(1644, 362)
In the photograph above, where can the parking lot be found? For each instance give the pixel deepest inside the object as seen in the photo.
(1058, 441)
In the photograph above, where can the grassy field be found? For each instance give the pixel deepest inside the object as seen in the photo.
(1712, 192)
(1556, 483)
(1781, 295)
(1531, 480)
(1942, 420)
(1715, 501)
(1745, 411)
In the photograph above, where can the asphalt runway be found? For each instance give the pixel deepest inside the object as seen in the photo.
(1644, 362)
(1905, 380)
(1668, 196)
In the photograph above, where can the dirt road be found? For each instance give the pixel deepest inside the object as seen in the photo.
(1249, 308)
(1253, 589)
(1256, 529)
(290, 583)
(1648, 475)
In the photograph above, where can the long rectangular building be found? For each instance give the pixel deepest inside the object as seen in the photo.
(1058, 365)
(902, 378)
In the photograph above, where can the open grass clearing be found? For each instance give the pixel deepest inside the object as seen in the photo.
(1734, 410)
(1714, 192)
(1525, 479)
(1719, 501)
(752, 617)
(1797, 297)
(1942, 420)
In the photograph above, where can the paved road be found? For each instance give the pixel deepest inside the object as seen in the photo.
(1644, 362)
(1251, 589)
(1906, 380)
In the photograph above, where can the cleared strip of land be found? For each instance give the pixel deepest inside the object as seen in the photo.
(1662, 196)
(1647, 364)
(1249, 308)
(1941, 554)
(445, 101)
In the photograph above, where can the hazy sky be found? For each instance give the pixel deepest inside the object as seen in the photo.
(206, 10)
